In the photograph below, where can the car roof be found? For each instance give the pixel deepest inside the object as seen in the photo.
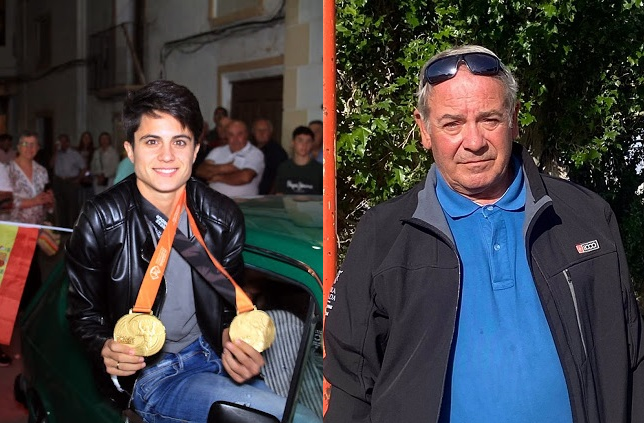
(288, 225)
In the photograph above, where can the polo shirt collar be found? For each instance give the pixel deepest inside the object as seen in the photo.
(244, 149)
(456, 205)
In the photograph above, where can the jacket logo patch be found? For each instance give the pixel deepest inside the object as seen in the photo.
(331, 299)
(586, 247)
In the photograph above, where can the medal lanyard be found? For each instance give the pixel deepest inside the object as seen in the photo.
(156, 268)
(242, 301)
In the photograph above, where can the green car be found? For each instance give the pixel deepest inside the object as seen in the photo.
(283, 257)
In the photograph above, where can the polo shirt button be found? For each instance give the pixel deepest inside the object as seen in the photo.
(497, 247)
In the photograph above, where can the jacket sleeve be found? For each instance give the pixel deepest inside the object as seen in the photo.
(86, 302)
(352, 351)
(635, 327)
(232, 258)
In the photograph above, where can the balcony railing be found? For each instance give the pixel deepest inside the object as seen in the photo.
(114, 62)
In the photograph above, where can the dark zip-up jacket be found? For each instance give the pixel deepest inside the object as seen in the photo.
(109, 252)
(393, 309)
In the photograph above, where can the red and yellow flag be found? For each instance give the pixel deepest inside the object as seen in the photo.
(17, 245)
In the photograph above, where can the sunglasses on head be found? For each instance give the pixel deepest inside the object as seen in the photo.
(446, 67)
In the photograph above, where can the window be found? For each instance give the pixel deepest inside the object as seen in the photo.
(223, 12)
(3, 23)
(294, 363)
(224, 8)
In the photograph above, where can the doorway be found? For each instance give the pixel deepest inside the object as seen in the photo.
(259, 98)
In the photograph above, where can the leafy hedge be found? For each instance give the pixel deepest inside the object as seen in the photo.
(580, 71)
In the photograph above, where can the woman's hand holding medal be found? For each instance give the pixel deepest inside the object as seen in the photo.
(121, 359)
(241, 361)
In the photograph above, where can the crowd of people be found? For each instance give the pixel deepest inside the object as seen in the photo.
(233, 159)
(241, 162)
(71, 176)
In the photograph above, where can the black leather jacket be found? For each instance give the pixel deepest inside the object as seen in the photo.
(109, 252)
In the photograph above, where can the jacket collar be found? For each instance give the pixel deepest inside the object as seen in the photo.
(148, 247)
(428, 209)
(536, 193)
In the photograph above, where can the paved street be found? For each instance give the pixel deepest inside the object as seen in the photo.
(11, 411)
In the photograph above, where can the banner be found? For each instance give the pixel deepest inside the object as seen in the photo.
(17, 245)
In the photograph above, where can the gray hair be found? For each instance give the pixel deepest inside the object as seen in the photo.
(505, 76)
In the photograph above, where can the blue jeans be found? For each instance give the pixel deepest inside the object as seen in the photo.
(182, 387)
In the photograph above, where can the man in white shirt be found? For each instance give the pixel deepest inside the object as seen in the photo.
(234, 169)
(69, 165)
(7, 152)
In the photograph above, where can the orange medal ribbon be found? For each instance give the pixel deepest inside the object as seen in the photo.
(139, 328)
(243, 302)
(255, 327)
(156, 269)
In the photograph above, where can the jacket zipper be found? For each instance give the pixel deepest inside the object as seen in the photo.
(569, 373)
(571, 286)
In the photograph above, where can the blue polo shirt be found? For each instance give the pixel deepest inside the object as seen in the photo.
(504, 365)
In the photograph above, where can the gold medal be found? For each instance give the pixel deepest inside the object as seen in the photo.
(144, 332)
(254, 327)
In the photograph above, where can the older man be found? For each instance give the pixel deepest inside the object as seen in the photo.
(489, 292)
(274, 153)
(236, 168)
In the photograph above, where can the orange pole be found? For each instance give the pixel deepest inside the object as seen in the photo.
(329, 195)
(329, 242)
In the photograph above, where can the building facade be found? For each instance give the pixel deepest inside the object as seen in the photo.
(65, 65)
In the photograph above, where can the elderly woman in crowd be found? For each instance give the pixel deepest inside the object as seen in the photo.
(32, 199)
